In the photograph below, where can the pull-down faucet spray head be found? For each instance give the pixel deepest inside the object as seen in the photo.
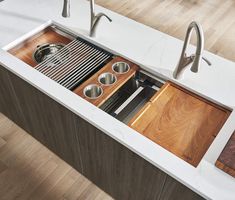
(66, 8)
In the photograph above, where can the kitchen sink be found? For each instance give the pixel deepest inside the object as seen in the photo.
(177, 119)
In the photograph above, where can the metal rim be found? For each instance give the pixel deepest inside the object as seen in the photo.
(92, 85)
(117, 63)
(104, 74)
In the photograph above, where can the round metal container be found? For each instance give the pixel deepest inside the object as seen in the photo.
(107, 78)
(121, 67)
(93, 91)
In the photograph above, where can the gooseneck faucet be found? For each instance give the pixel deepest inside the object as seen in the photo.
(95, 18)
(195, 58)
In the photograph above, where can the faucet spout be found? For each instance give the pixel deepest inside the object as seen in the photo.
(95, 18)
(196, 59)
(95, 22)
(66, 9)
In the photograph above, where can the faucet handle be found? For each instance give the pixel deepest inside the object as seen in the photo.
(99, 15)
(207, 61)
(203, 58)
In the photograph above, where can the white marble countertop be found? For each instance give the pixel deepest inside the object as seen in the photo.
(154, 51)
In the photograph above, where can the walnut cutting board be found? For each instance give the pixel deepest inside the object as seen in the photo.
(108, 91)
(181, 122)
(226, 160)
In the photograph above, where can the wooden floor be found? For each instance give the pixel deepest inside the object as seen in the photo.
(29, 171)
(173, 16)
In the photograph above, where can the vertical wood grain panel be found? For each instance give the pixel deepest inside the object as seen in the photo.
(116, 169)
(8, 103)
(174, 190)
(48, 121)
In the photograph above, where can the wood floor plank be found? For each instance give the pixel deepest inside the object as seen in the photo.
(3, 167)
(28, 170)
(2, 142)
(47, 185)
(61, 187)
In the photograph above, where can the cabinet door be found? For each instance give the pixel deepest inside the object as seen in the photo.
(173, 190)
(115, 169)
(48, 121)
(9, 104)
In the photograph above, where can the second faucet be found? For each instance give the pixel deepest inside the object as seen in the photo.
(95, 18)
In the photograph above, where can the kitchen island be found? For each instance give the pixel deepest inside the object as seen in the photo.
(155, 52)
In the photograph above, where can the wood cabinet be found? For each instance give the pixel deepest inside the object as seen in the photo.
(116, 169)
(113, 167)
(174, 190)
(8, 103)
(181, 122)
(45, 119)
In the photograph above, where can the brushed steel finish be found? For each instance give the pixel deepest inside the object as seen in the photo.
(195, 58)
(93, 91)
(107, 78)
(94, 18)
(66, 9)
(120, 67)
(45, 51)
(70, 65)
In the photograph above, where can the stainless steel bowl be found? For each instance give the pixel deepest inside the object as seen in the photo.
(107, 78)
(121, 67)
(93, 91)
(45, 51)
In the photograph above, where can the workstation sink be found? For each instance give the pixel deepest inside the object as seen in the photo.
(171, 116)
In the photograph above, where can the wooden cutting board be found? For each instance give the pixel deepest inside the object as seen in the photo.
(181, 122)
(226, 160)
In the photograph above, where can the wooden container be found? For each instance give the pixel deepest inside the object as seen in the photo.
(108, 90)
